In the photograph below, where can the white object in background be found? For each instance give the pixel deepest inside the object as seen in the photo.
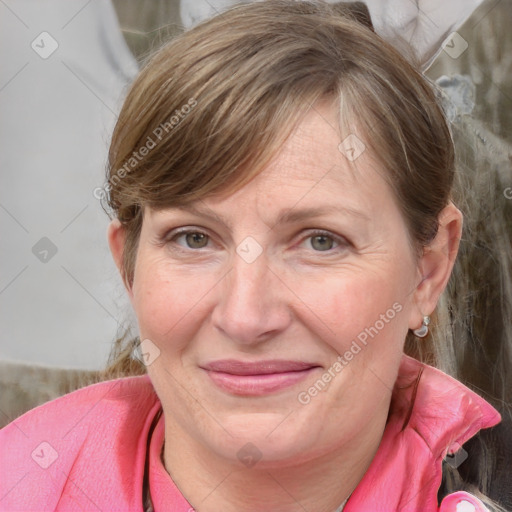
(425, 24)
(63, 68)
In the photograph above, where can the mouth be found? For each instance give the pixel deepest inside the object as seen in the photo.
(257, 378)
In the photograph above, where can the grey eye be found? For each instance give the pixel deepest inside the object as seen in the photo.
(322, 242)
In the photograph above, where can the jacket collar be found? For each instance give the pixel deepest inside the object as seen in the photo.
(431, 415)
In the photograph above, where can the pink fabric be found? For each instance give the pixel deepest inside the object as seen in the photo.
(163, 489)
(431, 415)
(86, 451)
(462, 502)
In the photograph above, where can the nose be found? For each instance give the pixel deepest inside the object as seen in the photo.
(252, 307)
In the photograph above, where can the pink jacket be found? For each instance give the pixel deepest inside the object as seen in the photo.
(87, 450)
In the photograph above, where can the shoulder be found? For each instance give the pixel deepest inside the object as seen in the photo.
(84, 407)
(91, 435)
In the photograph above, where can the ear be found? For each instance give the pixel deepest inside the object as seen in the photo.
(116, 235)
(436, 264)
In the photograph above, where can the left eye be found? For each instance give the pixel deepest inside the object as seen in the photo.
(322, 242)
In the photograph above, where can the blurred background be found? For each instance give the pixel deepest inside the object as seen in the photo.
(65, 68)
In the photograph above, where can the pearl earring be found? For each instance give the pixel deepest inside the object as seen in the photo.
(422, 331)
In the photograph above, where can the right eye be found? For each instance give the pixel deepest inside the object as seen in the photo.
(192, 239)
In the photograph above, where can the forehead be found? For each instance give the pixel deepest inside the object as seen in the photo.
(324, 159)
(314, 168)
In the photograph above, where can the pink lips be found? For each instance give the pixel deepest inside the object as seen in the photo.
(257, 378)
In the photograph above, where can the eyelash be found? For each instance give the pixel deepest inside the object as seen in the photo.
(342, 242)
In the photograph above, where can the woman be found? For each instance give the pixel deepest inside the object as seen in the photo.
(281, 180)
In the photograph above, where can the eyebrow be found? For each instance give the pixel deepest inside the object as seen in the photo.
(289, 216)
(292, 215)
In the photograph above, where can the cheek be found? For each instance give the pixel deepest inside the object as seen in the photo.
(363, 320)
(168, 303)
(363, 307)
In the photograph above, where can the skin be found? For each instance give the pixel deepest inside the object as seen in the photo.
(303, 298)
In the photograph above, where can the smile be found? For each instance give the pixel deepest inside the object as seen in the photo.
(257, 378)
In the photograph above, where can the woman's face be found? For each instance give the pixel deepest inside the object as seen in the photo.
(274, 319)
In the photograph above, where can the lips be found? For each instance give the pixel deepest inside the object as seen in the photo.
(259, 377)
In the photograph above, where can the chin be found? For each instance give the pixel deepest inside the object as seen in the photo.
(262, 440)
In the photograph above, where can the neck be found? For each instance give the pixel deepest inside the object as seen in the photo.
(323, 483)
